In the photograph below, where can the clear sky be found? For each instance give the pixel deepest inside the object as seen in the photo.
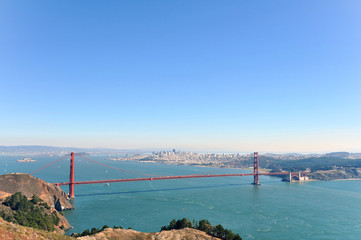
(275, 76)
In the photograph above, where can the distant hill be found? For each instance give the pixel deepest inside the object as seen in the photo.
(312, 163)
(50, 149)
(338, 154)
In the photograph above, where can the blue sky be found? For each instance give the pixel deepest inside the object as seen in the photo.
(275, 76)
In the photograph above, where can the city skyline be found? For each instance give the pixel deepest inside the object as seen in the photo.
(201, 76)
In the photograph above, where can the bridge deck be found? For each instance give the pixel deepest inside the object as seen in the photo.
(170, 177)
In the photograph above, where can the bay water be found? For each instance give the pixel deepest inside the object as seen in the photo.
(273, 210)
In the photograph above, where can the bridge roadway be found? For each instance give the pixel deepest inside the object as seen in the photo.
(170, 177)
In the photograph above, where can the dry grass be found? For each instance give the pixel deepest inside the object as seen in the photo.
(124, 234)
(10, 231)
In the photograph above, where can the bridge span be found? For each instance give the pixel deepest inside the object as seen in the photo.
(72, 182)
(170, 177)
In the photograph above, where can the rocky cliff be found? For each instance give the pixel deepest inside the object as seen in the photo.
(21, 182)
(54, 196)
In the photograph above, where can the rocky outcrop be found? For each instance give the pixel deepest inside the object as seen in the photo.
(21, 182)
(181, 234)
(54, 196)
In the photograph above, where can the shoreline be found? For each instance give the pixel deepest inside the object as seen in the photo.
(251, 169)
(264, 170)
(340, 179)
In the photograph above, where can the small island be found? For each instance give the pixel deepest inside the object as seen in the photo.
(26, 160)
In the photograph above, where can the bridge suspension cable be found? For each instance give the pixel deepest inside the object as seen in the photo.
(49, 164)
(137, 173)
(143, 174)
(208, 172)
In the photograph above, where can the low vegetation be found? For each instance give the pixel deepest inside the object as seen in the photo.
(203, 225)
(29, 213)
(312, 163)
(16, 232)
(93, 231)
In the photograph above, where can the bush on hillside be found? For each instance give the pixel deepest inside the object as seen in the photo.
(203, 225)
(29, 213)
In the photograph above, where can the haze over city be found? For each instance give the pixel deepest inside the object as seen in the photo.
(276, 76)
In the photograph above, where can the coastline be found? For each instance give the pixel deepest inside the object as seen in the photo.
(340, 179)
(325, 174)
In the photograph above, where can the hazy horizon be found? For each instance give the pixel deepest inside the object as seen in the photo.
(104, 149)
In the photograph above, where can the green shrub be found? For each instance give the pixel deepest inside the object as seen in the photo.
(29, 213)
(203, 225)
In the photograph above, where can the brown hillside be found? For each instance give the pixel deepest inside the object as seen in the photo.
(11, 231)
(21, 182)
(182, 234)
(54, 196)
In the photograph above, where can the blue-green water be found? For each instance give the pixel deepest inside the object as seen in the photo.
(274, 210)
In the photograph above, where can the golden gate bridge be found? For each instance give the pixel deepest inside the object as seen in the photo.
(256, 173)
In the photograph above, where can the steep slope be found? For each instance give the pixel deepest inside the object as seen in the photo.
(11, 231)
(21, 182)
(54, 196)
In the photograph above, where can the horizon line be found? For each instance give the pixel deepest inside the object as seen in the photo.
(183, 150)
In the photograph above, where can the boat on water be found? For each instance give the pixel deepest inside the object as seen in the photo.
(26, 160)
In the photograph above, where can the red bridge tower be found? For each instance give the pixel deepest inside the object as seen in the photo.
(71, 180)
(255, 169)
